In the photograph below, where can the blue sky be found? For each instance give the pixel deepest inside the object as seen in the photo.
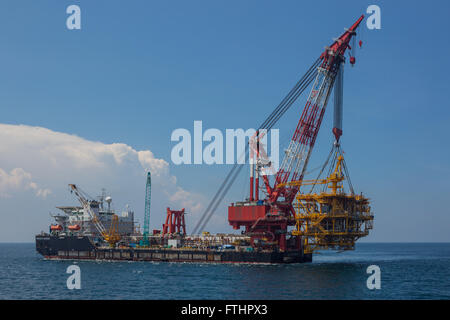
(137, 70)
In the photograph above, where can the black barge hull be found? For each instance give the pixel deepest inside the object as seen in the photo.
(82, 248)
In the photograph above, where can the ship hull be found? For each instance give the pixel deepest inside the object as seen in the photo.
(82, 248)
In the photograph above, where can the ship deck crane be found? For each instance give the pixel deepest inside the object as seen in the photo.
(111, 236)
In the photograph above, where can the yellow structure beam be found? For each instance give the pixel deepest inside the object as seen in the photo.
(331, 220)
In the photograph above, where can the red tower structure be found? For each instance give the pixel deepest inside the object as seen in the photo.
(266, 221)
(175, 222)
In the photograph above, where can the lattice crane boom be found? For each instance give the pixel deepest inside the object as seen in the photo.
(82, 198)
(297, 155)
(111, 236)
(148, 194)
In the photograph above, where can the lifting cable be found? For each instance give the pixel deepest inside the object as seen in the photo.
(339, 151)
(271, 120)
(344, 164)
(323, 168)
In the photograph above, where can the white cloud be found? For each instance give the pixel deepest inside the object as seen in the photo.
(18, 179)
(187, 200)
(149, 162)
(45, 161)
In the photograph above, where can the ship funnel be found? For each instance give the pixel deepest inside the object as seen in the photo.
(108, 201)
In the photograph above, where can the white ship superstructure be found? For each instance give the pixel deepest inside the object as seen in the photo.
(75, 220)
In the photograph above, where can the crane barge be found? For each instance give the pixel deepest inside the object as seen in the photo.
(285, 226)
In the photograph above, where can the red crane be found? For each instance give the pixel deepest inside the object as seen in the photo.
(266, 221)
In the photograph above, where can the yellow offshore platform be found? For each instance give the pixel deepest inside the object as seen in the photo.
(331, 219)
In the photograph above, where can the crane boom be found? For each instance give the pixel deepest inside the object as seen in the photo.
(112, 236)
(148, 189)
(82, 198)
(297, 155)
(148, 192)
(299, 150)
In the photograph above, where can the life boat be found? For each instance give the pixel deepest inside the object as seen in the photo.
(56, 227)
(74, 227)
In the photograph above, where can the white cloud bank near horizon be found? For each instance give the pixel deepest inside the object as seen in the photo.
(37, 164)
(18, 179)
